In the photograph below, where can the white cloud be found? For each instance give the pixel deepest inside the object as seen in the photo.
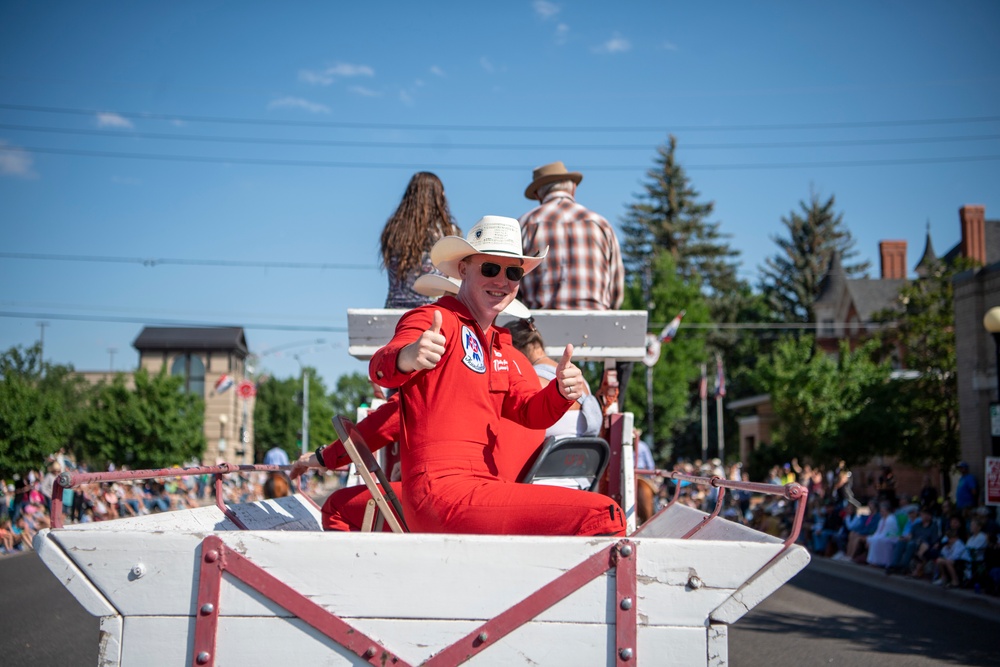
(617, 44)
(545, 9)
(298, 103)
(15, 161)
(668, 46)
(364, 92)
(111, 119)
(562, 33)
(326, 76)
(437, 71)
(405, 97)
(125, 180)
(485, 63)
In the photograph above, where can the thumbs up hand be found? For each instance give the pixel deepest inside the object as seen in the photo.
(570, 378)
(425, 352)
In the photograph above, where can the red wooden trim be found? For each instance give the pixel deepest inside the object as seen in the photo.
(217, 558)
(503, 624)
(227, 560)
(626, 599)
(56, 512)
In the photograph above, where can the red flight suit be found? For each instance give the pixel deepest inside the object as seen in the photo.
(345, 508)
(451, 421)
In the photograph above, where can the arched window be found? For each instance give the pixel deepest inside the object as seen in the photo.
(192, 369)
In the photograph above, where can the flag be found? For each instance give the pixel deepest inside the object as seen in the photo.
(720, 378)
(670, 330)
(703, 385)
(223, 383)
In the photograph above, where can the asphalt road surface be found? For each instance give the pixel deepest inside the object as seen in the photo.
(823, 616)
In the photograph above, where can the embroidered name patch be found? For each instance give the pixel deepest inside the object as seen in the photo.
(474, 358)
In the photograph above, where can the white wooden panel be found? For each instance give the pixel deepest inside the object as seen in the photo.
(152, 642)
(759, 587)
(718, 645)
(471, 577)
(67, 572)
(674, 521)
(109, 647)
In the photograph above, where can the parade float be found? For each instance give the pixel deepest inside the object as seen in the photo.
(260, 583)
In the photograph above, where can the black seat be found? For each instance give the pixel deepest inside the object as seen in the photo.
(575, 462)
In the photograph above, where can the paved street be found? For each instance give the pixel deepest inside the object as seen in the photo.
(830, 614)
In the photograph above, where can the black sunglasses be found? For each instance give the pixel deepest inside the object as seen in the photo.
(492, 270)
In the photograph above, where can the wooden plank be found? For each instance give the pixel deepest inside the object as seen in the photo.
(152, 642)
(426, 576)
(595, 335)
(789, 563)
(109, 646)
(67, 572)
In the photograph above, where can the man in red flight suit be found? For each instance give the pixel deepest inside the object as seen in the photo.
(344, 509)
(452, 368)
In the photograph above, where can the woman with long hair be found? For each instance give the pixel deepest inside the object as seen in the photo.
(421, 218)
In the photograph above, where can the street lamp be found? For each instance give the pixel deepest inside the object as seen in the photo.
(992, 323)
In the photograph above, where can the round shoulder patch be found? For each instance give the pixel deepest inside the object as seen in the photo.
(474, 357)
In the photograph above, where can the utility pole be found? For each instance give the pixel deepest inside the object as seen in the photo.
(111, 353)
(305, 410)
(41, 342)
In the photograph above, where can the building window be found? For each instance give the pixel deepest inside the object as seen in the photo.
(826, 327)
(192, 369)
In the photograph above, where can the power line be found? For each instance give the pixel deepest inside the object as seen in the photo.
(501, 128)
(168, 322)
(151, 261)
(491, 167)
(118, 134)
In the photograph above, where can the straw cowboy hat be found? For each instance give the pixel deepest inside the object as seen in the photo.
(492, 235)
(433, 285)
(550, 173)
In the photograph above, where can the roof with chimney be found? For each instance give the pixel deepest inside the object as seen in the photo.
(991, 238)
(224, 339)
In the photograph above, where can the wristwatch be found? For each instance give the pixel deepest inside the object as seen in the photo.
(319, 456)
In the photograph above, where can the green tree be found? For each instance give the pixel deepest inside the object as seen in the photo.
(668, 218)
(40, 407)
(352, 392)
(677, 371)
(278, 415)
(154, 425)
(790, 279)
(824, 403)
(921, 334)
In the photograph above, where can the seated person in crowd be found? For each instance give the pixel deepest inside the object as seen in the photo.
(910, 553)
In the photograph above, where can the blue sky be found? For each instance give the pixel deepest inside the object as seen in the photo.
(256, 149)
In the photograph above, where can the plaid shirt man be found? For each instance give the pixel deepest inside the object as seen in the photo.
(583, 270)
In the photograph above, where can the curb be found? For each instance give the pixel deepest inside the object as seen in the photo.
(955, 599)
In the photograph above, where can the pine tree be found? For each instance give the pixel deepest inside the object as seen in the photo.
(791, 278)
(668, 218)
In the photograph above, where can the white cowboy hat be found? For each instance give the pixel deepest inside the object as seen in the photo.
(433, 285)
(492, 235)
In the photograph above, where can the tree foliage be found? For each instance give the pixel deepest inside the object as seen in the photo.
(677, 371)
(40, 407)
(154, 425)
(278, 415)
(668, 218)
(790, 279)
(829, 408)
(922, 335)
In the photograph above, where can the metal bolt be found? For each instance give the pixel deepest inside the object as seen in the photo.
(212, 556)
(625, 653)
(626, 604)
(207, 608)
(626, 550)
(695, 583)
(138, 570)
(370, 652)
(483, 636)
(204, 657)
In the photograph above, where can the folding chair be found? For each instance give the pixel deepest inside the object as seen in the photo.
(574, 462)
(366, 466)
